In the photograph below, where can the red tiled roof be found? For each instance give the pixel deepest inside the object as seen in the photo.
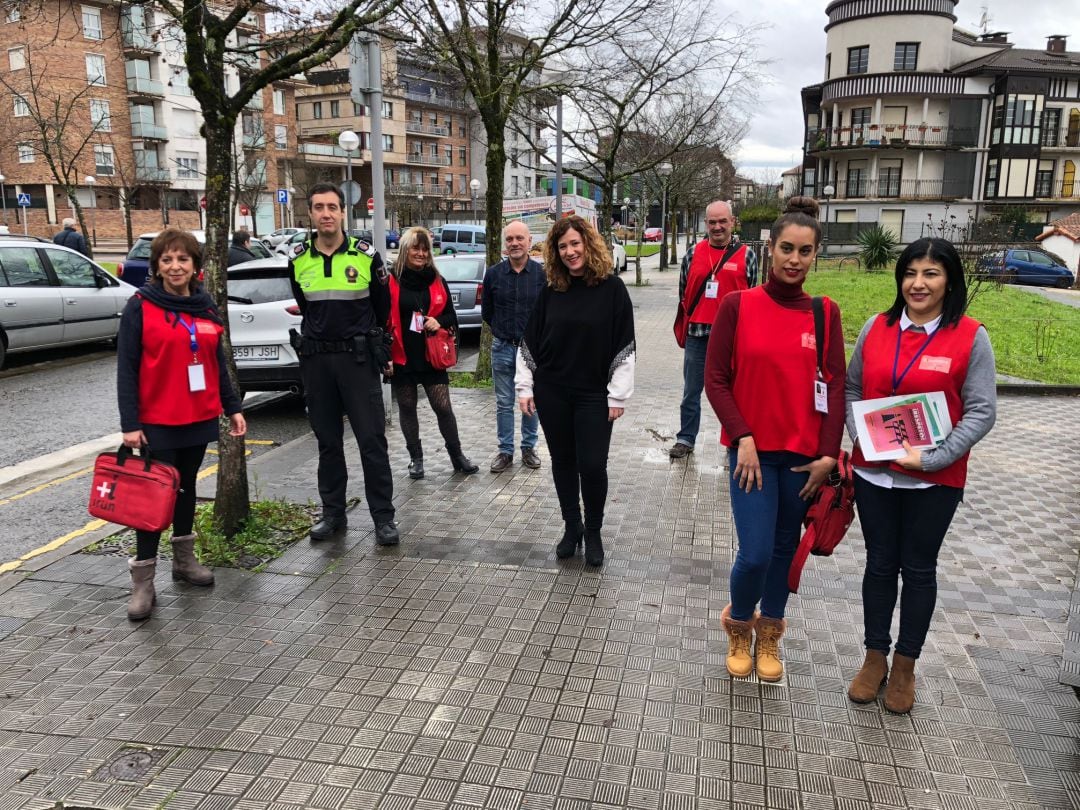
(1066, 226)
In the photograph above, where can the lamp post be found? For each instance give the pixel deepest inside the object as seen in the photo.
(664, 170)
(348, 141)
(90, 180)
(828, 191)
(420, 206)
(474, 186)
(292, 219)
(3, 195)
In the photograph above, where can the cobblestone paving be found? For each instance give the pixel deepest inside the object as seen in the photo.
(468, 668)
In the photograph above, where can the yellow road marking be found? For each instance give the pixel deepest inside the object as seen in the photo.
(46, 485)
(93, 525)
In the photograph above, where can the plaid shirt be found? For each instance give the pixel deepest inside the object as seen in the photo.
(703, 329)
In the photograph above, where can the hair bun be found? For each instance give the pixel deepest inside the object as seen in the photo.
(803, 205)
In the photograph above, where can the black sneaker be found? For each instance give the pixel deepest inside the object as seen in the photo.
(386, 534)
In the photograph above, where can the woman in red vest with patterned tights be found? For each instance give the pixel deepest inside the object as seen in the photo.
(172, 386)
(783, 426)
(924, 343)
(420, 303)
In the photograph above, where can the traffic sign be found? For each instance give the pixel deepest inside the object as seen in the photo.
(350, 190)
(244, 210)
(24, 199)
(202, 203)
(371, 205)
(283, 196)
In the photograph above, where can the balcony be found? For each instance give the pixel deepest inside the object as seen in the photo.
(142, 88)
(896, 189)
(413, 189)
(432, 98)
(255, 102)
(427, 160)
(1064, 138)
(417, 128)
(151, 174)
(148, 131)
(254, 140)
(334, 153)
(136, 41)
(874, 136)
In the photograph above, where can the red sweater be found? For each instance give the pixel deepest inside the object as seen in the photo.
(762, 402)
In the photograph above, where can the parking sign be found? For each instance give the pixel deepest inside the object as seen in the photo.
(24, 199)
(283, 196)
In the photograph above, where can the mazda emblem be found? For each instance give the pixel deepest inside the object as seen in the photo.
(246, 317)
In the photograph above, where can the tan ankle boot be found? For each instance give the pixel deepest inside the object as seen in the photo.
(740, 635)
(767, 648)
(184, 564)
(142, 598)
(867, 683)
(900, 692)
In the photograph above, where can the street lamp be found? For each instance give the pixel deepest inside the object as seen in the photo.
(348, 141)
(3, 195)
(90, 180)
(420, 205)
(474, 186)
(292, 220)
(828, 191)
(664, 170)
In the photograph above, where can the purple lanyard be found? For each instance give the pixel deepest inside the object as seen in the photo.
(896, 359)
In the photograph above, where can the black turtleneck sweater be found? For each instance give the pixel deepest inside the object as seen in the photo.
(719, 372)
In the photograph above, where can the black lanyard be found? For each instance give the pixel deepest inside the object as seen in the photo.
(896, 359)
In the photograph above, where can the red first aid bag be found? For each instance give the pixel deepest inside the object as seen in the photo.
(441, 349)
(134, 491)
(828, 518)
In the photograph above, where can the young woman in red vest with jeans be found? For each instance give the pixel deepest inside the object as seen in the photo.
(924, 343)
(783, 428)
(420, 303)
(172, 385)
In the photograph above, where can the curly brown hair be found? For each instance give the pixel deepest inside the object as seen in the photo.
(597, 255)
(175, 239)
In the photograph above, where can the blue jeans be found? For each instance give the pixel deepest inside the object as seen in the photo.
(903, 529)
(693, 384)
(503, 365)
(768, 522)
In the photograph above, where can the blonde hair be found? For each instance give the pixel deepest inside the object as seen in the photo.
(414, 236)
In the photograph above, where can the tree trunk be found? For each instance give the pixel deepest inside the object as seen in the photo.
(81, 217)
(673, 257)
(231, 504)
(640, 236)
(495, 166)
(125, 195)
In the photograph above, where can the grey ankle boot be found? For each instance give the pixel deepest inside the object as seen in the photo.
(185, 566)
(142, 598)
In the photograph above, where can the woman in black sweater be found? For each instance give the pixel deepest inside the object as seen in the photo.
(420, 304)
(575, 369)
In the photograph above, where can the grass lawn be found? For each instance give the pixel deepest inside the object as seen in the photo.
(647, 249)
(1033, 338)
(110, 266)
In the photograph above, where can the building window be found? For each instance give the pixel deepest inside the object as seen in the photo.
(358, 110)
(461, 130)
(22, 109)
(388, 109)
(100, 119)
(179, 82)
(906, 56)
(187, 166)
(856, 180)
(433, 150)
(462, 156)
(1051, 135)
(1044, 178)
(462, 184)
(91, 22)
(279, 102)
(448, 182)
(13, 14)
(991, 178)
(388, 143)
(95, 69)
(26, 153)
(513, 186)
(281, 136)
(889, 175)
(449, 155)
(828, 65)
(858, 59)
(316, 110)
(335, 109)
(103, 160)
(16, 58)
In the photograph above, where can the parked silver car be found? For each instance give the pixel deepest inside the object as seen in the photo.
(261, 312)
(52, 296)
(465, 277)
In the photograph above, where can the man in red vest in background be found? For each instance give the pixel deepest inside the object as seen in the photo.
(714, 267)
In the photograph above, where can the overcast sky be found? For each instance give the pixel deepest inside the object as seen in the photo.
(795, 44)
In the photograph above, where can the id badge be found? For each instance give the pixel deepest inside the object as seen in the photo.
(711, 289)
(417, 324)
(196, 377)
(821, 397)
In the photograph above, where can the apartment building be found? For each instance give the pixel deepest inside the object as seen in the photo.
(918, 122)
(111, 81)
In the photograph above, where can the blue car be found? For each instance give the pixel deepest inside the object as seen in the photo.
(1026, 266)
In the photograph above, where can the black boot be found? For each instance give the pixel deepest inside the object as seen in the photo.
(594, 547)
(416, 466)
(571, 539)
(460, 461)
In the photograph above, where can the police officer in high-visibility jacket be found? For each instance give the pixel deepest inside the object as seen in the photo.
(341, 287)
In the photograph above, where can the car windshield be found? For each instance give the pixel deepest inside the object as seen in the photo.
(260, 250)
(459, 269)
(141, 249)
(261, 290)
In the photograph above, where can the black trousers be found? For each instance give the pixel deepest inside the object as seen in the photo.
(578, 435)
(903, 529)
(187, 460)
(335, 385)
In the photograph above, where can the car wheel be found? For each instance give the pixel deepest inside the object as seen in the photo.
(1009, 276)
(1063, 283)
(3, 350)
(448, 252)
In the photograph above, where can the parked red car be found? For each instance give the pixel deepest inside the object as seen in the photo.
(653, 234)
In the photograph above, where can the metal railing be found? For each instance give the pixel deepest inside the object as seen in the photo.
(135, 39)
(254, 140)
(893, 188)
(151, 174)
(1064, 137)
(878, 135)
(427, 160)
(432, 98)
(322, 150)
(138, 86)
(414, 189)
(418, 128)
(148, 131)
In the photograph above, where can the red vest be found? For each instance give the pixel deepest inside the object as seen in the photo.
(942, 366)
(730, 277)
(774, 367)
(164, 395)
(438, 303)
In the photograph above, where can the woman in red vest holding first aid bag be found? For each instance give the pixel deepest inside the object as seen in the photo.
(420, 304)
(923, 344)
(782, 421)
(172, 386)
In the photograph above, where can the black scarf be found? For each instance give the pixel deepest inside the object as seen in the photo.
(198, 304)
(413, 279)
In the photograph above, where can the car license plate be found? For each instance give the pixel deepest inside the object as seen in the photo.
(455, 297)
(241, 353)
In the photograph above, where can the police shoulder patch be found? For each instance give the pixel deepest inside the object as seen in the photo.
(299, 248)
(365, 247)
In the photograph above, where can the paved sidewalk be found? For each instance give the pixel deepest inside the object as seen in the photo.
(468, 668)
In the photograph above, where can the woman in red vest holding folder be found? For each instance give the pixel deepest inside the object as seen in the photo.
(172, 385)
(782, 422)
(420, 303)
(923, 344)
